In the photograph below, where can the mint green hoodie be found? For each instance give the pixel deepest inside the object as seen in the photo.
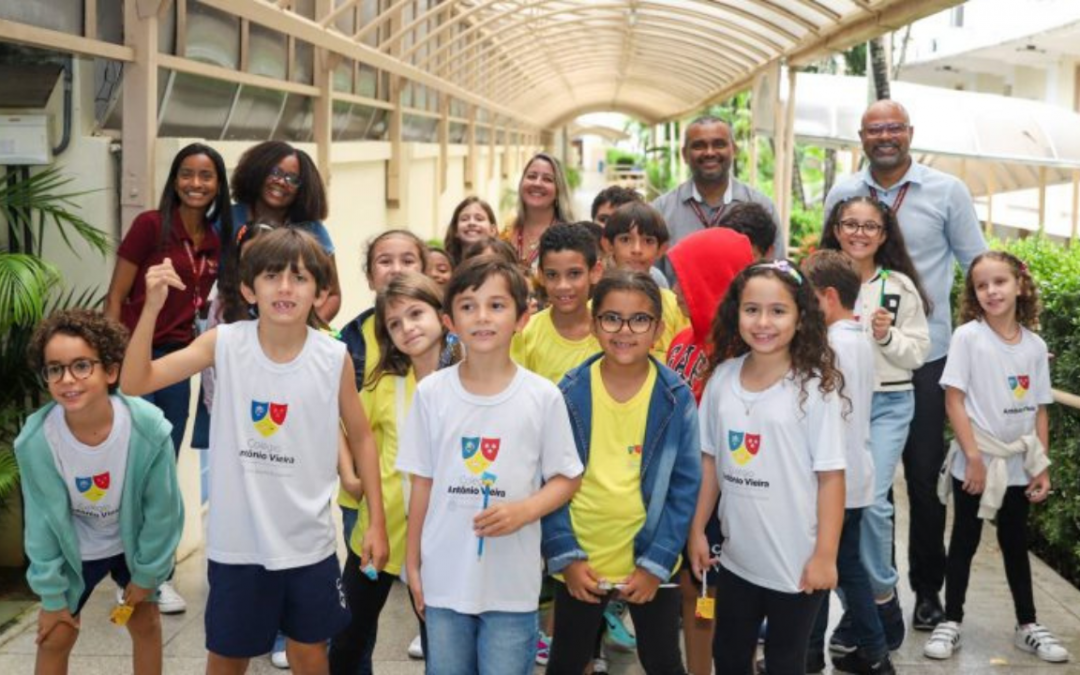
(151, 509)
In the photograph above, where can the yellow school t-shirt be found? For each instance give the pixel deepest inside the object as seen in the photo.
(608, 511)
(382, 408)
(674, 323)
(549, 354)
(371, 359)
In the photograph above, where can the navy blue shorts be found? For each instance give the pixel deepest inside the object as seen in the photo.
(248, 604)
(94, 571)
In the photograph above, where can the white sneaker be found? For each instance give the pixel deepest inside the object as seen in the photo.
(416, 648)
(169, 601)
(943, 641)
(1039, 641)
(278, 656)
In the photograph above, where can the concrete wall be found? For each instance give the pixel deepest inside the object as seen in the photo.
(358, 211)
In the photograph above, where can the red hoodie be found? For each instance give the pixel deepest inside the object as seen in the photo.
(705, 264)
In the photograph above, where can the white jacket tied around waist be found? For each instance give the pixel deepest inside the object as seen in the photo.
(997, 471)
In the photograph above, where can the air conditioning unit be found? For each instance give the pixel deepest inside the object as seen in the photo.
(24, 140)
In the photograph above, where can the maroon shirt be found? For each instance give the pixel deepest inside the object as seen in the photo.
(196, 265)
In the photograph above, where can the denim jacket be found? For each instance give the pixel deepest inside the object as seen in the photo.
(670, 472)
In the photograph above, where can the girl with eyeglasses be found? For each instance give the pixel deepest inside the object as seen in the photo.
(279, 184)
(636, 430)
(893, 309)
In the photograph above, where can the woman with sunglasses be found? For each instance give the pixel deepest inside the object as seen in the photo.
(277, 183)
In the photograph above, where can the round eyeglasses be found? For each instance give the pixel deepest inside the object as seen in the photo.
(610, 322)
(80, 369)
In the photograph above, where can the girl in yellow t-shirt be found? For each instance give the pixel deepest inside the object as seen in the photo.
(636, 430)
(413, 343)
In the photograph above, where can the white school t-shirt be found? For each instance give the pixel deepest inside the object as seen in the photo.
(1004, 385)
(273, 451)
(94, 476)
(766, 461)
(459, 440)
(855, 359)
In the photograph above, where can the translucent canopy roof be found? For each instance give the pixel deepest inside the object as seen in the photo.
(994, 143)
(548, 61)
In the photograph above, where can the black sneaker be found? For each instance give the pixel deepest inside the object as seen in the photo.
(842, 641)
(928, 612)
(815, 662)
(892, 621)
(856, 663)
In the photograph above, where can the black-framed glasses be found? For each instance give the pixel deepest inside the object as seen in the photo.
(80, 369)
(292, 179)
(610, 322)
(870, 228)
(878, 130)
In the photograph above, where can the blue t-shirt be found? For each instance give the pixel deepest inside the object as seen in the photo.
(313, 227)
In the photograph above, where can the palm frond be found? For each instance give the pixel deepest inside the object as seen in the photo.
(43, 193)
(25, 284)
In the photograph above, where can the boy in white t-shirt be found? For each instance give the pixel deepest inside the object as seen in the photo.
(490, 451)
(273, 455)
(99, 485)
(836, 285)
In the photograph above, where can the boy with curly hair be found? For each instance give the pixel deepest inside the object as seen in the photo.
(99, 485)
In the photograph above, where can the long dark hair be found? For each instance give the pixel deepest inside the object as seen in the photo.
(891, 255)
(811, 355)
(255, 165)
(220, 209)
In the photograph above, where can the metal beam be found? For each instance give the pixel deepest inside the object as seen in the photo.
(310, 31)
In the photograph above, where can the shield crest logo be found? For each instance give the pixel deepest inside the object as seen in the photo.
(278, 412)
(268, 424)
(474, 458)
(753, 443)
(102, 480)
(490, 448)
(734, 440)
(1025, 381)
(83, 483)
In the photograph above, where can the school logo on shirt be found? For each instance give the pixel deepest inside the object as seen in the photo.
(93, 488)
(1019, 384)
(479, 453)
(743, 446)
(268, 417)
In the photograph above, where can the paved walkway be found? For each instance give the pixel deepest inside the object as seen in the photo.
(987, 646)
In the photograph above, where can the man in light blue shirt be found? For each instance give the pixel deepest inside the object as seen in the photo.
(938, 220)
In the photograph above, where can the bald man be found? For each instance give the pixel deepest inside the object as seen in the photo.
(939, 224)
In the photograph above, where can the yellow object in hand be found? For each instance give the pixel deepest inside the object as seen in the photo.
(120, 614)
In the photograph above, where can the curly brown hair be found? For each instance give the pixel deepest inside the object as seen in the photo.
(811, 355)
(105, 336)
(1027, 303)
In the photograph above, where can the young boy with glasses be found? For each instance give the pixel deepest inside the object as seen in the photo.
(99, 485)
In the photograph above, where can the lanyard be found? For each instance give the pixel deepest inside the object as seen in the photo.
(710, 222)
(532, 254)
(197, 272)
(899, 196)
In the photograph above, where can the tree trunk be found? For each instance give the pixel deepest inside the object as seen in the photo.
(830, 172)
(879, 68)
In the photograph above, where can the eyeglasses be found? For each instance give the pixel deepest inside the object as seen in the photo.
(80, 370)
(292, 179)
(610, 322)
(877, 130)
(870, 228)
